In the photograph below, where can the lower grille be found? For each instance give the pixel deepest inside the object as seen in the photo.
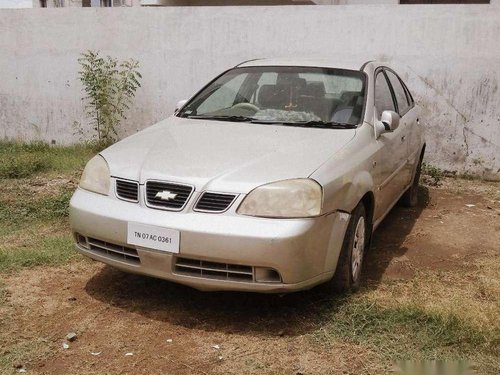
(213, 270)
(113, 251)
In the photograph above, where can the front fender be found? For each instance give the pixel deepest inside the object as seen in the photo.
(344, 193)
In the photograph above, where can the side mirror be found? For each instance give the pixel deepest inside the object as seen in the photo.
(388, 123)
(179, 105)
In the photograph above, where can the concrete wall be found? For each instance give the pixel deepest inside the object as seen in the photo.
(224, 2)
(79, 3)
(448, 54)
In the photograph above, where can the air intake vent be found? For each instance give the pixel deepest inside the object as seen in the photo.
(128, 190)
(167, 195)
(214, 202)
(213, 270)
(113, 251)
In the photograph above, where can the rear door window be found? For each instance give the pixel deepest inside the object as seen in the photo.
(399, 92)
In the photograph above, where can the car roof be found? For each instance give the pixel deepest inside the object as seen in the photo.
(323, 63)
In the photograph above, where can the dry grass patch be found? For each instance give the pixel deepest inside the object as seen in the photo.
(408, 331)
(436, 315)
(22, 353)
(473, 294)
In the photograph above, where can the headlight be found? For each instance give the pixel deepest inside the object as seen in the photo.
(288, 198)
(95, 176)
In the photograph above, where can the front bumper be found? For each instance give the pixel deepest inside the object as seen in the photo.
(303, 251)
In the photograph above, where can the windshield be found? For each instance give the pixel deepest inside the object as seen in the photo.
(301, 96)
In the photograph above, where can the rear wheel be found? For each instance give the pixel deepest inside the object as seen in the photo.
(348, 273)
(410, 197)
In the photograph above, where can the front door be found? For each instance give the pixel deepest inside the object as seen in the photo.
(391, 160)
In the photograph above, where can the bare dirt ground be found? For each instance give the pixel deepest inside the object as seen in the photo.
(171, 329)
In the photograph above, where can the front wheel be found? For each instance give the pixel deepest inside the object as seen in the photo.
(348, 273)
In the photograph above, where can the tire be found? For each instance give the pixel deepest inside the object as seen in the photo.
(348, 273)
(410, 197)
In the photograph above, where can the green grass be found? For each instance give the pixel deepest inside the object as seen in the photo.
(21, 160)
(21, 221)
(37, 181)
(18, 214)
(29, 209)
(26, 195)
(406, 331)
(51, 251)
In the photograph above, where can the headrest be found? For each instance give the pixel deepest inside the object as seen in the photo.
(349, 97)
(273, 96)
(314, 89)
(290, 79)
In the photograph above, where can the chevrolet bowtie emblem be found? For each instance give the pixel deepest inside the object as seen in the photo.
(165, 195)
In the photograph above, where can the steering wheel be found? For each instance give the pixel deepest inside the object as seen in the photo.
(247, 106)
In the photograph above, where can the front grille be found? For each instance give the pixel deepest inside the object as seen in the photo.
(213, 270)
(113, 251)
(215, 202)
(175, 196)
(128, 190)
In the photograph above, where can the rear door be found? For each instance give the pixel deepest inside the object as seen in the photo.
(415, 137)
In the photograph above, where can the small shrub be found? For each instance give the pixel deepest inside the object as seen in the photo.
(432, 171)
(109, 87)
(434, 174)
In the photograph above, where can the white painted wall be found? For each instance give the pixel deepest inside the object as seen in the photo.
(78, 3)
(224, 2)
(449, 55)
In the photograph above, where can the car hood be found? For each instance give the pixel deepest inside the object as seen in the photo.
(223, 156)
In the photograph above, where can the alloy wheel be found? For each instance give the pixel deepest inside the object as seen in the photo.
(358, 248)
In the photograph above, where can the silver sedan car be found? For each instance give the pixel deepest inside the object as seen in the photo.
(272, 178)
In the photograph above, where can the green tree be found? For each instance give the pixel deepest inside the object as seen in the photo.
(109, 87)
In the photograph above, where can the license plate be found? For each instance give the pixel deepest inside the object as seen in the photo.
(153, 237)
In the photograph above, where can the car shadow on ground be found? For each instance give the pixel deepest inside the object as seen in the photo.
(388, 240)
(230, 312)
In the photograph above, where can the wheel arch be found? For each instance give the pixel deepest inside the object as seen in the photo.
(350, 193)
(368, 201)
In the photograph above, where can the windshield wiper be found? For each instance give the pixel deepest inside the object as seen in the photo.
(222, 118)
(309, 124)
(329, 124)
(305, 124)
